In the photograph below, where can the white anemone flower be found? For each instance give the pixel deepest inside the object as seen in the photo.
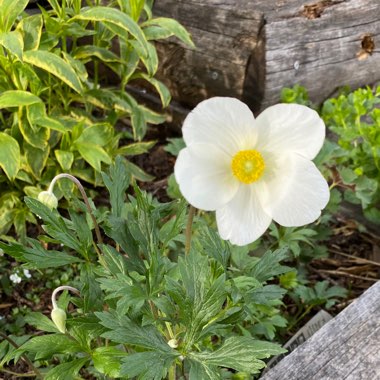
(252, 171)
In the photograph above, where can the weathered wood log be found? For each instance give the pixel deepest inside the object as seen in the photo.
(251, 49)
(347, 347)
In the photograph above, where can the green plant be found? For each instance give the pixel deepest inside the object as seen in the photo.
(144, 309)
(59, 113)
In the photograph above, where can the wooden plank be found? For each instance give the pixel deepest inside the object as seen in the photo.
(251, 49)
(322, 53)
(346, 348)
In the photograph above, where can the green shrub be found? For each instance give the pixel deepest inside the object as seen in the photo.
(57, 113)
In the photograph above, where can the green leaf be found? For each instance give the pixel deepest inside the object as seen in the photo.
(269, 265)
(98, 134)
(149, 365)
(55, 65)
(240, 353)
(117, 182)
(136, 148)
(37, 256)
(175, 145)
(64, 158)
(124, 331)
(114, 260)
(48, 345)
(162, 90)
(173, 27)
(17, 98)
(117, 21)
(138, 173)
(66, 371)
(36, 158)
(31, 28)
(9, 155)
(201, 370)
(9, 11)
(107, 360)
(88, 51)
(13, 42)
(93, 154)
(41, 322)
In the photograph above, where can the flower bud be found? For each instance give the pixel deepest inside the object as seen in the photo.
(58, 316)
(48, 199)
(173, 343)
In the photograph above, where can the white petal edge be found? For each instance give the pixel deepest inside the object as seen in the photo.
(243, 220)
(224, 121)
(298, 193)
(203, 173)
(290, 128)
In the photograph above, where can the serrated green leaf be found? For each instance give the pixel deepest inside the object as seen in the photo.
(55, 65)
(240, 353)
(66, 371)
(149, 365)
(41, 322)
(48, 345)
(138, 173)
(9, 155)
(107, 360)
(269, 265)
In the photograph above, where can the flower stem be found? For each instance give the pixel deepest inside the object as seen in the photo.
(188, 232)
(26, 359)
(84, 196)
(172, 372)
(60, 288)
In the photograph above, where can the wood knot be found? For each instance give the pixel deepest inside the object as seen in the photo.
(314, 11)
(367, 47)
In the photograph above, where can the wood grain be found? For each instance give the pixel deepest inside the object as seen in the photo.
(251, 49)
(346, 348)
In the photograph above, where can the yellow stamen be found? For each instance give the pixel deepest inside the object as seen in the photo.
(248, 165)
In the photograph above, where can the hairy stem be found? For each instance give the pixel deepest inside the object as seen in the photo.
(189, 226)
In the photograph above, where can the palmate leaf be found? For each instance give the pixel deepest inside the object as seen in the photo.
(199, 297)
(107, 360)
(55, 65)
(150, 365)
(36, 256)
(269, 265)
(66, 371)
(239, 353)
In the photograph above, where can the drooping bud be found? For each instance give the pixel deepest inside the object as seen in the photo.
(48, 199)
(173, 343)
(58, 316)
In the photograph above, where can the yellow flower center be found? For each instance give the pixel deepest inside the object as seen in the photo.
(248, 165)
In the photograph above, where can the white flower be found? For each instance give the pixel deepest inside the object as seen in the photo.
(15, 278)
(249, 170)
(27, 273)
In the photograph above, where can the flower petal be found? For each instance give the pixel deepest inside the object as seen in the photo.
(226, 122)
(243, 220)
(290, 128)
(297, 194)
(204, 175)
